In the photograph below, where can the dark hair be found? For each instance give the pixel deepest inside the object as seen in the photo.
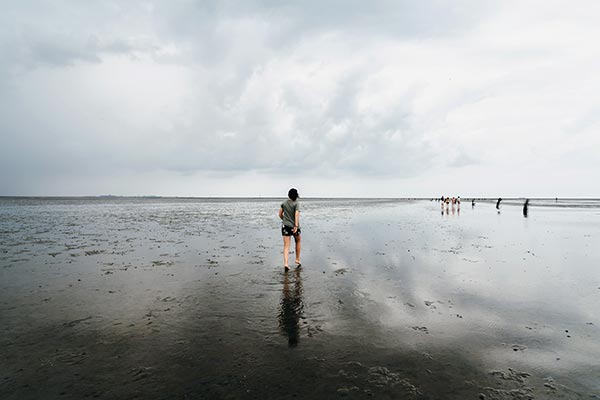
(293, 194)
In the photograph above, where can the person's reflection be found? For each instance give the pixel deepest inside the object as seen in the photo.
(292, 307)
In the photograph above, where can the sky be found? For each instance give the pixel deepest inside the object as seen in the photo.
(337, 98)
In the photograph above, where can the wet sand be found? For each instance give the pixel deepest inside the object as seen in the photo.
(175, 298)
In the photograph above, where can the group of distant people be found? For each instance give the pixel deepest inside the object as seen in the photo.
(448, 200)
(451, 203)
(455, 202)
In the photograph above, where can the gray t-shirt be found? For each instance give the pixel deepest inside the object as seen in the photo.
(289, 212)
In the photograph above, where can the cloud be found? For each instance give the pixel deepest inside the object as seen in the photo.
(347, 91)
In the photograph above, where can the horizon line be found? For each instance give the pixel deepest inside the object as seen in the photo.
(109, 196)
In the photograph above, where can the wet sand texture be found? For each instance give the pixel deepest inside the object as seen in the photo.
(168, 298)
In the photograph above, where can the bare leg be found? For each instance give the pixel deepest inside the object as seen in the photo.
(297, 238)
(286, 251)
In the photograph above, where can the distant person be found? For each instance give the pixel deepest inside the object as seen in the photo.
(473, 203)
(526, 207)
(289, 213)
(498, 203)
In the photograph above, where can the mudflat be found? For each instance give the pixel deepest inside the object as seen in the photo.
(187, 298)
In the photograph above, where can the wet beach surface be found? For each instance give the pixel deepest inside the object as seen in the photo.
(187, 298)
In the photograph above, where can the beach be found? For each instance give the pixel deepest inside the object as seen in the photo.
(155, 298)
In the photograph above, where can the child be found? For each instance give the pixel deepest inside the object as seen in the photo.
(289, 213)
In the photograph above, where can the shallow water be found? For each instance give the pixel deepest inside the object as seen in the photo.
(186, 298)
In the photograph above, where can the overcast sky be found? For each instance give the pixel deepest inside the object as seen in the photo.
(339, 98)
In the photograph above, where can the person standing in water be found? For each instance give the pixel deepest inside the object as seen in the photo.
(289, 213)
(525, 207)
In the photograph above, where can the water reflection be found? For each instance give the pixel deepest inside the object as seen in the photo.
(447, 209)
(292, 306)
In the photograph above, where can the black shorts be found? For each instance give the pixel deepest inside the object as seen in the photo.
(287, 231)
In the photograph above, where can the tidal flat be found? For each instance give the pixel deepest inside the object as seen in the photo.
(156, 298)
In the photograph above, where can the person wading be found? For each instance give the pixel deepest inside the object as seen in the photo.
(289, 213)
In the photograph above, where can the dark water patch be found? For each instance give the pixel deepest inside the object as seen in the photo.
(149, 364)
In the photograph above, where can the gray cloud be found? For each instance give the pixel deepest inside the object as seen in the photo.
(352, 91)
